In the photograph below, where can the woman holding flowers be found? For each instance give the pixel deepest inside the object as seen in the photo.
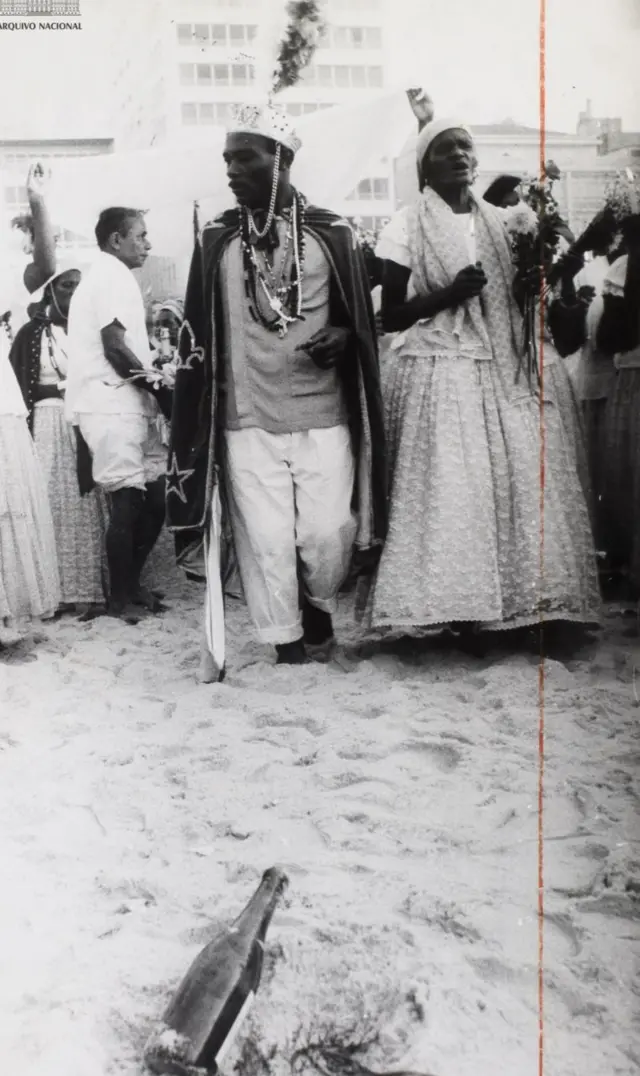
(471, 542)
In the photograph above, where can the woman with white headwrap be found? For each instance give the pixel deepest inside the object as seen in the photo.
(467, 543)
(40, 360)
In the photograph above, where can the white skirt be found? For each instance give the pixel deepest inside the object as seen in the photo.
(29, 581)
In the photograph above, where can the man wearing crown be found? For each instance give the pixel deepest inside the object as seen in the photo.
(277, 400)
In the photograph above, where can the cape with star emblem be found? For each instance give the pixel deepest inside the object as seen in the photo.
(195, 453)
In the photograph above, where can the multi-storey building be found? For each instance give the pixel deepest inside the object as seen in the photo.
(39, 7)
(18, 154)
(196, 64)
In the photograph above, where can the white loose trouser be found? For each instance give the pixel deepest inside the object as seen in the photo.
(290, 493)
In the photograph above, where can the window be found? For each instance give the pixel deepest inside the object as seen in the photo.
(373, 37)
(184, 33)
(201, 33)
(240, 75)
(203, 74)
(343, 76)
(187, 74)
(206, 112)
(218, 34)
(16, 196)
(221, 74)
(371, 190)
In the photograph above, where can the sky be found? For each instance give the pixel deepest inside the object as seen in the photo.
(478, 59)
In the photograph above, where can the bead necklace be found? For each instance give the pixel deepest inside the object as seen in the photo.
(260, 233)
(283, 296)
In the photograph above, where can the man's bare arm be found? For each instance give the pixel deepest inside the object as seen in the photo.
(116, 352)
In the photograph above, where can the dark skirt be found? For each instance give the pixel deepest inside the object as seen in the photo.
(594, 416)
(620, 480)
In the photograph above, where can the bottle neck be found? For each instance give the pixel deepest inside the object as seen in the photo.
(257, 915)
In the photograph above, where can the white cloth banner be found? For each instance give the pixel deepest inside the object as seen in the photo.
(341, 146)
(214, 599)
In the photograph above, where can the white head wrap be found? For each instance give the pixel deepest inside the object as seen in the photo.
(267, 121)
(435, 128)
(64, 265)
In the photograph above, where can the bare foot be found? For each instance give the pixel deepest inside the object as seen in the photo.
(92, 612)
(122, 612)
(149, 599)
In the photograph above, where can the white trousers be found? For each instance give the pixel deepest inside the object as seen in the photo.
(290, 493)
(126, 450)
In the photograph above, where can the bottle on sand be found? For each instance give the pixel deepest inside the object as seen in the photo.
(215, 995)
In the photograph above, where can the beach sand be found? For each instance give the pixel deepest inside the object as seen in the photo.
(397, 785)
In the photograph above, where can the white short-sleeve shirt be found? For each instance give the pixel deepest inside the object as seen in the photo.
(109, 292)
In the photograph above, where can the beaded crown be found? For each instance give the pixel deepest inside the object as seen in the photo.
(265, 120)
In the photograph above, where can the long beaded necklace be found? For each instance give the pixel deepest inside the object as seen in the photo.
(51, 347)
(283, 296)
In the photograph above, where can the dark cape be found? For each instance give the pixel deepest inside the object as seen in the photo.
(196, 460)
(25, 360)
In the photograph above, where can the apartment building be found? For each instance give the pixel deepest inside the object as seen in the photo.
(195, 64)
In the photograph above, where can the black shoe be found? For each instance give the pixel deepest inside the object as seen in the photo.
(317, 626)
(292, 653)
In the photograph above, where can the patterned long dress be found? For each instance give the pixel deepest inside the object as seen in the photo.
(472, 535)
(29, 583)
(79, 521)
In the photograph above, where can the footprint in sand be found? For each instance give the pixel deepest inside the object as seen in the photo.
(564, 927)
(277, 721)
(445, 757)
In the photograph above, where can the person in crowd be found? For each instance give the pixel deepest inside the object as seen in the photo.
(574, 318)
(465, 528)
(112, 397)
(29, 582)
(36, 237)
(503, 191)
(281, 396)
(617, 336)
(39, 357)
(170, 315)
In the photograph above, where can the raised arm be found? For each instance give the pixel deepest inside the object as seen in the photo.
(44, 245)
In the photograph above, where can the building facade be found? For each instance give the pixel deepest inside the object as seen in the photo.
(196, 65)
(18, 154)
(39, 7)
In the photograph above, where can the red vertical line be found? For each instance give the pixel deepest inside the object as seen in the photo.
(541, 666)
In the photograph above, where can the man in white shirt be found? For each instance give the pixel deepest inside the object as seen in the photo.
(117, 417)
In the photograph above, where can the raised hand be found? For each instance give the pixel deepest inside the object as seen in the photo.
(37, 182)
(421, 106)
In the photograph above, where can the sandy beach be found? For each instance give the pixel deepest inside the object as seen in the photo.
(397, 785)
